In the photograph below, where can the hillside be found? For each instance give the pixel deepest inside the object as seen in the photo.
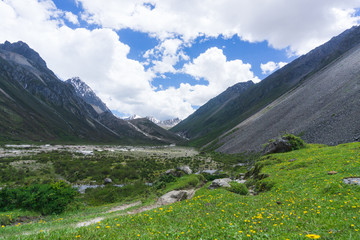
(206, 118)
(37, 106)
(268, 90)
(323, 109)
(302, 195)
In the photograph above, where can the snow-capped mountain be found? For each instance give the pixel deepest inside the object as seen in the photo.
(132, 117)
(86, 93)
(167, 124)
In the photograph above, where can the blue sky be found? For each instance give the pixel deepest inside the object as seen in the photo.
(165, 58)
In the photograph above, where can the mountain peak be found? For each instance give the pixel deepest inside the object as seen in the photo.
(86, 93)
(24, 50)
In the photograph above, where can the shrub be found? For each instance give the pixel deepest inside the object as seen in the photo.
(296, 142)
(43, 198)
(238, 188)
(112, 194)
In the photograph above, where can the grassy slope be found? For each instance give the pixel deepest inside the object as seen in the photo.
(304, 200)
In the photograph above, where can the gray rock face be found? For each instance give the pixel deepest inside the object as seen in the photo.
(222, 182)
(323, 108)
(176, 196)
(278, 146)
(186, 169)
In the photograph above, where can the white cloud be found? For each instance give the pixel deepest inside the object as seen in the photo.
(300, 25)
(100, 59)
(271, 66)
(72, 18)
(166, 55)
(213, 66)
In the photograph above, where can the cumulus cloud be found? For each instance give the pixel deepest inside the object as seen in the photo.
(72, 18)
(101, 59)
(213, 66)
(271, 66)
(299, 25)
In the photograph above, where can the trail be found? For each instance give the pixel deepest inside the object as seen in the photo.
(114, 209)
(159, 203)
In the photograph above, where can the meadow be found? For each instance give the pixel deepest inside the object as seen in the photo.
(301, 195)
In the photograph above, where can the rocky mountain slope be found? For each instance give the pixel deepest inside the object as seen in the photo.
(211, 117)
(294, 75)
(37, 106)
(88, 95)
(323, 109)
(143, 126)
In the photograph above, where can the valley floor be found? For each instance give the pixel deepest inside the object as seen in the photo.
(302, 195)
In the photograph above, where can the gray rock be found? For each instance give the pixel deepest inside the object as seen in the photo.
(173, 172)
(186, 169)
(242, 181)
(222, 182)
(176, 196)
(278, 146)
(352, 180)
(107, 180)
(208, 171)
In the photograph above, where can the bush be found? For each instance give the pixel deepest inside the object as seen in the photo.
(112, 194)
(238, 188)
(296, 142)
(212, 177)
(43, 198)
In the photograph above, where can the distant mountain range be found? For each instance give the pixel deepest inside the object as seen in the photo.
(37, 106)
(317, 96)
(166, 124)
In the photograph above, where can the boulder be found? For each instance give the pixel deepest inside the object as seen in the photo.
(278, 146)
(186, 169)
(107, 181)
(352, 180)
(222, 182)
(173, 172)
(176, 196)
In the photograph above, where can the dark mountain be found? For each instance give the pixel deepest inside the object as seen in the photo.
(37, 106)
(88, 95)
(323, 109)
(256, 98)
(207, 120)
(144, 128)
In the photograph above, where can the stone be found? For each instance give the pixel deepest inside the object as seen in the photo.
(176, 196)
(278, 146)
(107, 181)
(352, 180)
(242, 181)
(221, 182)
(173, 172)
(186, 169)
(332, 173)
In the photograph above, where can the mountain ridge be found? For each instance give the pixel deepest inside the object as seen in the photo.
(268, 90)
(37, 106)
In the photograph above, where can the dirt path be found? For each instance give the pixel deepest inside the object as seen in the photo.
(114, 209)
(159, 203)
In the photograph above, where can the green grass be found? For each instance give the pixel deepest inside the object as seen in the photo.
(303, 200)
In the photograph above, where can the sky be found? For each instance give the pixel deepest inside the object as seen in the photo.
(165, 58)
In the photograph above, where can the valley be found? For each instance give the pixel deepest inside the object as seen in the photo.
(246, 136)
(301, 194)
